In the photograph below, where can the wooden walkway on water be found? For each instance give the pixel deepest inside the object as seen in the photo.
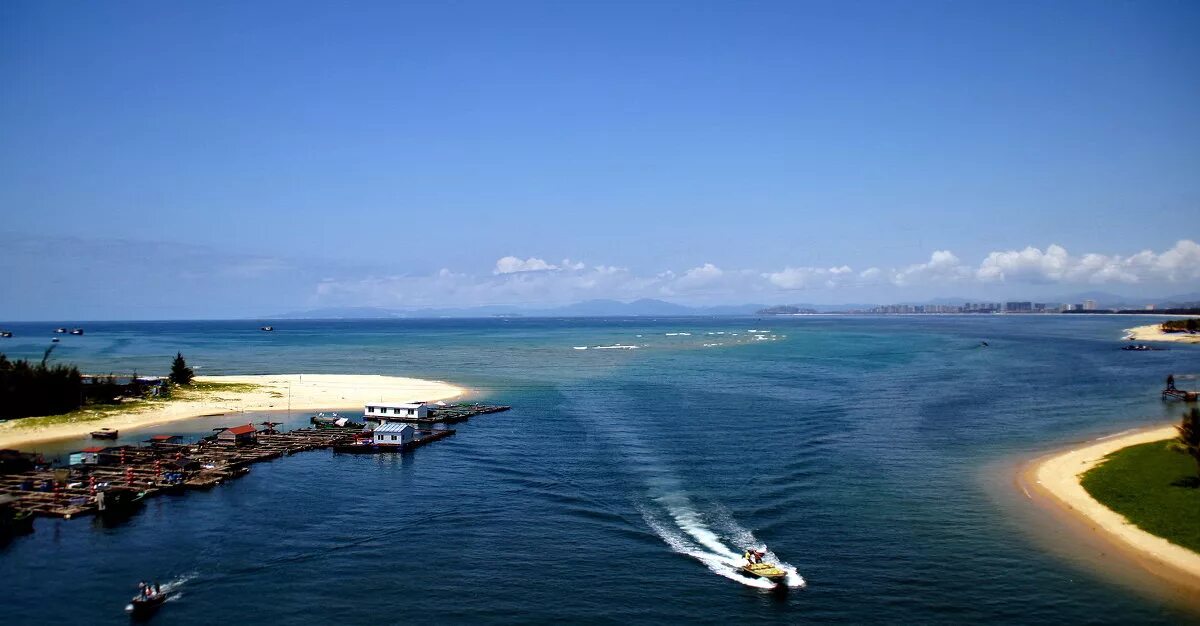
(69, 492)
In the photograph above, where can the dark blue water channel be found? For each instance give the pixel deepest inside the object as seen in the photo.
(851, 447)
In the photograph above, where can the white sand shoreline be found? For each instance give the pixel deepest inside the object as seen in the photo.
(307, 392)
(1152, 332)
(1057, 477)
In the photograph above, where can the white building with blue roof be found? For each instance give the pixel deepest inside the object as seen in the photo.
(393, 434)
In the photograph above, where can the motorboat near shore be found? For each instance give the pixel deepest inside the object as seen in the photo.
(105, 433)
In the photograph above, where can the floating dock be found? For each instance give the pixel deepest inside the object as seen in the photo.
(455, 413)
(1180, 394)
(158, 468)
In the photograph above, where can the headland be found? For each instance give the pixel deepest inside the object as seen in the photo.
(1154, 332)
(1056, 478)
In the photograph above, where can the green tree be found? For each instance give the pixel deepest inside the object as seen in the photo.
(1188, 441)
(181, 374)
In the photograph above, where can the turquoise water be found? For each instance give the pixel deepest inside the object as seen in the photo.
(852, 448)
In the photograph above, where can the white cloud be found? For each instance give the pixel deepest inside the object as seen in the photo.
(514, 265)
(699, 277)
(533, 281)
(1056, 265)
(810, 277)
(942, 266)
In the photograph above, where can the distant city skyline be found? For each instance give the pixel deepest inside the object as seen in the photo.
(183, 161)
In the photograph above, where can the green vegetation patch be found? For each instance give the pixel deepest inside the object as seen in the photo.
(96, 412)
(207, 387)
(91, 413)
(1154, 488)
(1179, 326)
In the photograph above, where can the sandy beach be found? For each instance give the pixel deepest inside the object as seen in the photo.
(1152, 332)
(308, 392)
(1057, 478)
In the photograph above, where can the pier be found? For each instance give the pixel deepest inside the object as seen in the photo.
(1175, 393)
(117, 479)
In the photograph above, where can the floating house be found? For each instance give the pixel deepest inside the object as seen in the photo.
(86, 456)
(165, 439)
(393, 434)
(238, 435)
(396, 412)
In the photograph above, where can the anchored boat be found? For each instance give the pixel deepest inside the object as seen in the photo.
(105, 433)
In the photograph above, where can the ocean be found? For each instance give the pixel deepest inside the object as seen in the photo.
(871, 455)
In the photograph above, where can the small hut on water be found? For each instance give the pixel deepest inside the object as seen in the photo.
(242, 435)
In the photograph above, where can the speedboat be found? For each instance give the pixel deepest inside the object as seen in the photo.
(267, 328)
(768, 571)
(76, 331)
(753, 566)
(60, 331)
(5, 333)
(146, 605)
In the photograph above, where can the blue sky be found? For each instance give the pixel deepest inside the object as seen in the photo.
(260, 157)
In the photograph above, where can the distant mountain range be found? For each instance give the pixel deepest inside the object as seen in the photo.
(648, 307)
(589, 308)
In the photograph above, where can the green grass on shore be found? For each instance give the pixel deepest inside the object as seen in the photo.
(211, 386)
(1154, 488)
(97, 412)
(89, 413)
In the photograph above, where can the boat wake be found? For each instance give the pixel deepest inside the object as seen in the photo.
(709, 533)
(173, 586)
(715, 539)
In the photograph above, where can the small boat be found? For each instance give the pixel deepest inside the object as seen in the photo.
(60, 331)
(55, 340)
(119, 502)
(105, 433)
(76, 331)
(146, 605)
(764, 570)
(5, 333)
(267, 328)
(753, 565)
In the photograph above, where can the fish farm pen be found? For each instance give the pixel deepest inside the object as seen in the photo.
(116, 479)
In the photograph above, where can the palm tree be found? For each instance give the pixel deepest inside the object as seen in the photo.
(1188, 441)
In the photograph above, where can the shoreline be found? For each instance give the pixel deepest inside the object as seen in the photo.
(1052, 481)
(308, 392)
(1152, 332)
